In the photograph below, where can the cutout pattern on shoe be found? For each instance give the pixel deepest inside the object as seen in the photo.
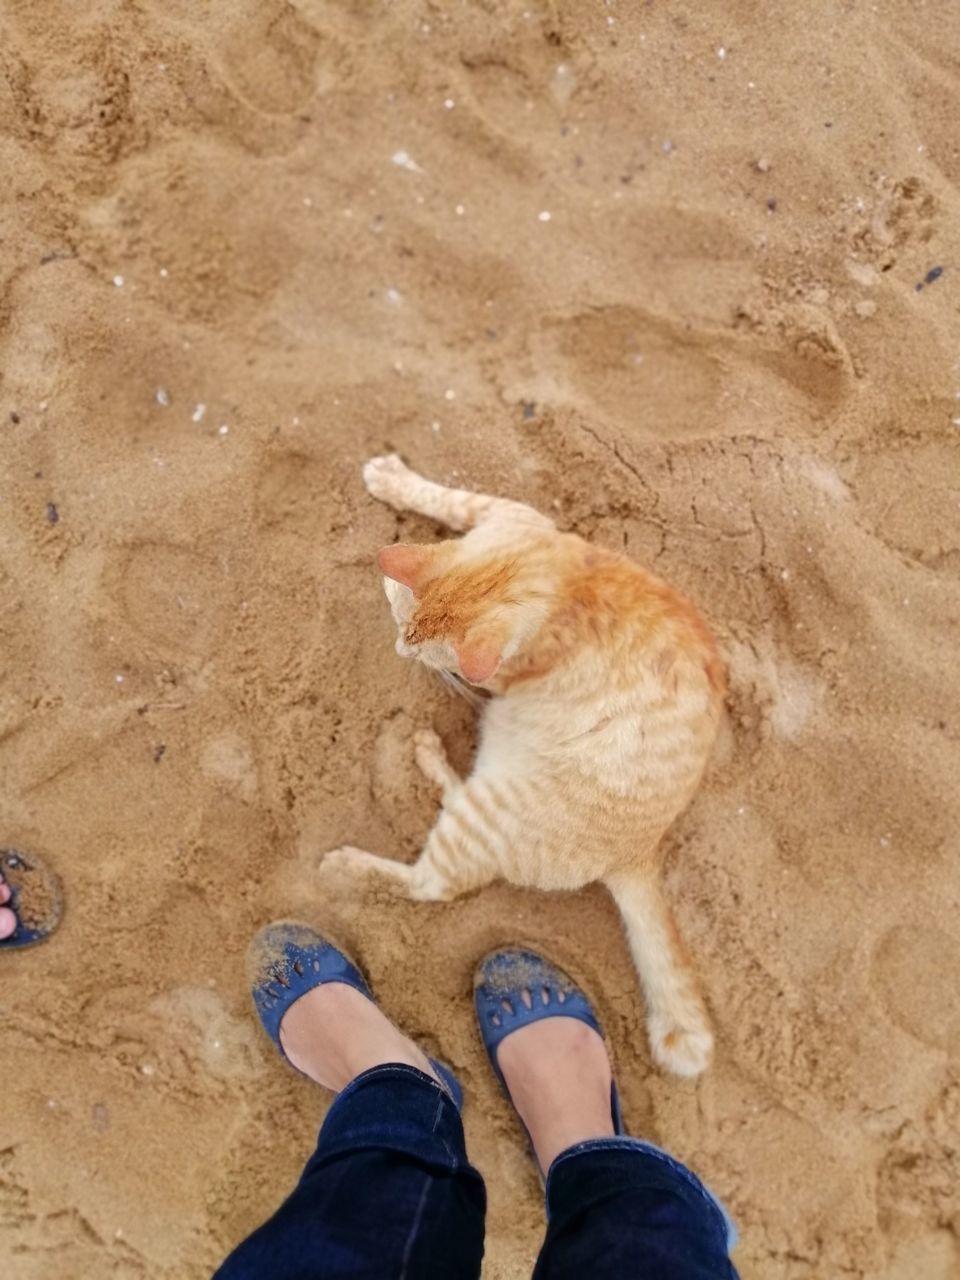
(513, 989)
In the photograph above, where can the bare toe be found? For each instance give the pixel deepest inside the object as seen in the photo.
(8, 921)
(5, 890)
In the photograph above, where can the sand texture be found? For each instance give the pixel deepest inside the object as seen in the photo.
(650, 266)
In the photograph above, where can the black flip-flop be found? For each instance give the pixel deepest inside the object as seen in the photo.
(36, 898)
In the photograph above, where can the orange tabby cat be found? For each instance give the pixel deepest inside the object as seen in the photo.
(607, 694)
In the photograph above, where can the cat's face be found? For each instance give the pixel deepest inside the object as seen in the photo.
(455, 612)
(436, 652)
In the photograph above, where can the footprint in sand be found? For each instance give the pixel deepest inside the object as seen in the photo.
(229, 761)
(296, 493)
(270, 57)
(914, 970)
(170, 596)
(623, 355)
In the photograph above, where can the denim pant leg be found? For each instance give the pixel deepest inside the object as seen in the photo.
(388, 1193)
(619, 1207)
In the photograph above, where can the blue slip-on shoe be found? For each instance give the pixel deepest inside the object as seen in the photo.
(287, 959)
(514, 988)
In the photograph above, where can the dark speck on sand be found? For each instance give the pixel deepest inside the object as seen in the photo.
(53, 515)
(933, 274)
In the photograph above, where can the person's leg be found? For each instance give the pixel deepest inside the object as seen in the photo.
(616, 1206)
(620, 1207)
(389, 1190)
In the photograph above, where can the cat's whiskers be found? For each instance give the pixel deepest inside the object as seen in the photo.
(466, 691)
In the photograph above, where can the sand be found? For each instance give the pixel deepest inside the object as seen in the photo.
(652, 267)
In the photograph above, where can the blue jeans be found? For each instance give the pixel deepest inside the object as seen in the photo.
(389, 1194)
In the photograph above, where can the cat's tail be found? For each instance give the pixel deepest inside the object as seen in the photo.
(677, 1020)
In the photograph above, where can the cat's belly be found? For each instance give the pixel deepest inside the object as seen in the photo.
(543, 867)
(564, 834)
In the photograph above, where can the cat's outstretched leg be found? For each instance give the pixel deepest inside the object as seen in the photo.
(390, 480)
(454, 861)
(677, 1021)
(431, 758)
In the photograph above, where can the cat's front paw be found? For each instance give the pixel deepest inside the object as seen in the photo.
(684, 1050)
(383, 475)
(346, 859)
(432, 759)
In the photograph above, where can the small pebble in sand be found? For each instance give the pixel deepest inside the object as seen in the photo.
(14, 417)
(164, 273)
(933, 274)
(163, 397)
(772, 205)
(393, 296)
(118, 281)
(666, 147)
(148, 1069)
(158, 752)
(307, 202)
(199, 411)
(762, 165)
(722, 53)
(118, 679)
(449, 104)
(866, 308)
(223, 429)
(544, 215)
(529, 409)
(403, 160)
(449, 394)
(53, 515)
(460, 211)
(434, 426)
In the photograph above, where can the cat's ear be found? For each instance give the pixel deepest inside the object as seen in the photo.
(479, 655)
(405, 564)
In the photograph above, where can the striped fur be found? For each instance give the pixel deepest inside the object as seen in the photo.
(607, 694)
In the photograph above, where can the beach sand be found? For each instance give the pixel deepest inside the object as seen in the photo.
(654, 268)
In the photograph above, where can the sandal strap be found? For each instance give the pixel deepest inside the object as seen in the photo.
(18, 871)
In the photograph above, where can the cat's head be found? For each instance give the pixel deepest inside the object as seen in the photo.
(459, 611)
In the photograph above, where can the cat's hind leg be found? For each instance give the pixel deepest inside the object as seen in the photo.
(390, 480)
(677, 1021)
